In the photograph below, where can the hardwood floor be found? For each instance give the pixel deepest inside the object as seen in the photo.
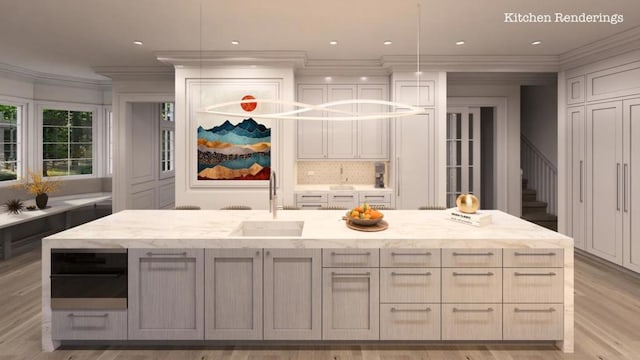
(607, 327)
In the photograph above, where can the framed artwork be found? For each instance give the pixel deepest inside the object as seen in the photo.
(231, 150)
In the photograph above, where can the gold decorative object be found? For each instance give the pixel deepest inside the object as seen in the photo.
(467, 203)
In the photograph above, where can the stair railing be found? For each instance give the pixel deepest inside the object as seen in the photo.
(541, 174)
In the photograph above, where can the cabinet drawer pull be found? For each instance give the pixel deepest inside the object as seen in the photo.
(534, 254)
(343, 196)
(473, 274)
(312, 205)
(374, 196)
(535, 274)
(473, 310)
(347, 254)
(473, 254)
(549, 310)
(88, 315)
(409, 254)
(393, 309)
(167, 254)
(410, 274)
(367, 274)
(310, 196)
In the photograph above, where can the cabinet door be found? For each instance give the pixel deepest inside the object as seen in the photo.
(373, 135)
(578, 151)
(233, 294)
(312, 134)
(406, 92)
(350, 304)
(631, 173)
(166, 294)
(292, 294)
(604, 180)
(414, 158)
(341, 134)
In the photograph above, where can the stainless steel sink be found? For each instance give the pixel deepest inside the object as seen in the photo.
(269, 228)
(341, 187)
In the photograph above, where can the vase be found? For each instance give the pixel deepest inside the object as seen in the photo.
(41, 200)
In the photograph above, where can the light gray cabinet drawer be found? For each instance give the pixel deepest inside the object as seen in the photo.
(409, 321)
(350, 257)
(533, 258)
(472, 258)
(533, 321)
(533, 285)
(375, 197)
(409, 285)
(311, 205)
(410, 257)
(471, 285)
(311, 197)
(472, 322)
(89, 325)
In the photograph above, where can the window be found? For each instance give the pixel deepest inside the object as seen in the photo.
(167, 138)
(67, 147)
(10, 118)
(110, 135)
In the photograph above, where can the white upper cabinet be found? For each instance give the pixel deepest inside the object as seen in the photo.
(373, 135)
(415, 93)
(312, 134)
(342, 134)
(358, 139)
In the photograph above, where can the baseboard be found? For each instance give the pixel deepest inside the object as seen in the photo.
(595, 260)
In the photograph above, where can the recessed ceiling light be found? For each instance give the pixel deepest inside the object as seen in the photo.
(418, 72)
(461, 42)
(138, 42)
(387, 42)
(327, 78)
(333, 42)
(537, 42)
(364, 78)
(235, 42)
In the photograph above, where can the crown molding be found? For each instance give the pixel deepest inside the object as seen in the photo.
(343, 68)
(500, 78)
(37, 77)
(136, 72)
(608, 47)
(473, 63)
(225, 58)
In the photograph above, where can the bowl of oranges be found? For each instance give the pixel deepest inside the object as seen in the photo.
(364, 215)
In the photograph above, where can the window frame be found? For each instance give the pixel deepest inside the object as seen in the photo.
(169, 125)
(23, 131)
(96, 133)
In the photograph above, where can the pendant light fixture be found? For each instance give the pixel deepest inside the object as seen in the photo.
(397, 110)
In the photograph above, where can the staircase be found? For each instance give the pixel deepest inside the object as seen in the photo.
(536, 211)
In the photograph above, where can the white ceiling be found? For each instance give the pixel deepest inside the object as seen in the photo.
(69, 37)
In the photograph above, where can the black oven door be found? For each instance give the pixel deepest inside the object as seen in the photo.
(88, 279)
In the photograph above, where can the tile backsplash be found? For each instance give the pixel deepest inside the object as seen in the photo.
(328, 172)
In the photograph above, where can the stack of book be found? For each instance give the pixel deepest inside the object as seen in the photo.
(476, 219)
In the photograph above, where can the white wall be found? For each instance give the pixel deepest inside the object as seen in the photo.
(129, 89)
(214, 196)
(539, 122)
(511, 93)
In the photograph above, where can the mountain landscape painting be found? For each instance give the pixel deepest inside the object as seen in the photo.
(234, 151)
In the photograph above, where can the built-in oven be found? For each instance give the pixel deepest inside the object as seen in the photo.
(88, 279)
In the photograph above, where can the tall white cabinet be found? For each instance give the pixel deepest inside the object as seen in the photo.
(603, 136)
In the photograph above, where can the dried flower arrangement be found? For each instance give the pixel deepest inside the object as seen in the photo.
(35, 184)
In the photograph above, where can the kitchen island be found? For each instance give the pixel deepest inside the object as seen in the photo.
(213, 275)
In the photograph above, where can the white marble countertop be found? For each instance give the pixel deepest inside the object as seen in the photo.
(327, 187)
(322, 229)
(55, 205)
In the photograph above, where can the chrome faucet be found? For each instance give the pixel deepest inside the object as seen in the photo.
(273, 198)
